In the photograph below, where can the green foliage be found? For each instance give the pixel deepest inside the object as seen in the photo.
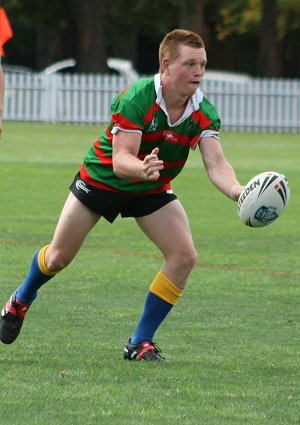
(288, 17)
(32, 12)
(238, 18)
(231, 343)
(147, 18)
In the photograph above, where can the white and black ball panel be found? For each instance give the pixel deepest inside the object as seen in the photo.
(264, 199)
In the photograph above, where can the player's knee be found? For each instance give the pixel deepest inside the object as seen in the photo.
(193, 259)
(57, 261)
(188, 260)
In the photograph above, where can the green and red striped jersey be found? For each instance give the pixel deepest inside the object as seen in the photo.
(140, 108)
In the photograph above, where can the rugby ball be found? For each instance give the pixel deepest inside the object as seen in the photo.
(264, 199)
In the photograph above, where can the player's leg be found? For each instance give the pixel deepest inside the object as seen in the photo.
(169, 230)
(74, 224)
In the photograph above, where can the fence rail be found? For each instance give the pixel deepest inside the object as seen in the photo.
(250, 105)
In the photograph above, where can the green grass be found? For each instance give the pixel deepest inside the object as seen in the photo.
(232, 342)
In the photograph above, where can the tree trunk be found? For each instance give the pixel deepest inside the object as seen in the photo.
(88, 17)
(192, 17)
(269, 60)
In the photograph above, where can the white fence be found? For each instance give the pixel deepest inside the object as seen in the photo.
(246, 105)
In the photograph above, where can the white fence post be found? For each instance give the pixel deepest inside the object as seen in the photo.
(51, 87)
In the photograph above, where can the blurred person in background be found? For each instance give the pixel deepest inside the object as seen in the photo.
(1, 96)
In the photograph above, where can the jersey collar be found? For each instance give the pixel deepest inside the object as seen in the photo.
(192, 105)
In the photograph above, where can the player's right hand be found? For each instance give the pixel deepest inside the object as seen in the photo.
(152, 165)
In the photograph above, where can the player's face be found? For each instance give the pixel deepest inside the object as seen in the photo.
(187, 70)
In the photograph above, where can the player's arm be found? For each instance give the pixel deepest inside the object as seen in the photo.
(1, 96)
(127, 165)
(219, 171)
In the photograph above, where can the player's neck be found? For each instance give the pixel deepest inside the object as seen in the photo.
(175, 106)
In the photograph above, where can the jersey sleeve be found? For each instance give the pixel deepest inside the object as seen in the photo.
(208, 123)
(126, 116)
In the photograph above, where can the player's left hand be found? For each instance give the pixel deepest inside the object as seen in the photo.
(235, 192)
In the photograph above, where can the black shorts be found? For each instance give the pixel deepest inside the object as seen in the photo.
(110, 204)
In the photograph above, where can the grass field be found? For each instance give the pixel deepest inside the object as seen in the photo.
(231, 343)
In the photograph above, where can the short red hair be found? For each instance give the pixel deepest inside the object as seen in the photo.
(169, 47)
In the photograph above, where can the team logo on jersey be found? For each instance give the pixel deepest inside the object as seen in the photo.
(153, 125)
(169, 136)
(81, 185)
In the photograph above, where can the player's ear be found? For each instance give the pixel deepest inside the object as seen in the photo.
(165, 65)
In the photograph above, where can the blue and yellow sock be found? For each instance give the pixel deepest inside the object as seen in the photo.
(162, 296)
(38, 275)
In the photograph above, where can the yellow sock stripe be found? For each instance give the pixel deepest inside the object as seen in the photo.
(42, 262)
(165, 289)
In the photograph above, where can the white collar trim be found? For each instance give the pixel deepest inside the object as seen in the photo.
(192, 105)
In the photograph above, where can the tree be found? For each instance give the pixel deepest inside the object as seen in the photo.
(89, 17)
(268, 29)
(252, 36)
(269, 58)
(193, 17)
